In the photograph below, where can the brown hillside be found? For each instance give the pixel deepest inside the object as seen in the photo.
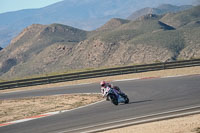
(113, 24)
(41, 49)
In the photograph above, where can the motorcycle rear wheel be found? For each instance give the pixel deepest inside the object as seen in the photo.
(126, 100)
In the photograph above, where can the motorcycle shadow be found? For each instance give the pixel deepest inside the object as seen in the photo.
(135, 102)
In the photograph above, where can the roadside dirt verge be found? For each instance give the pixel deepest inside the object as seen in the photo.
(189, 124)
(22, 108)
(16, 109)
(161, 73)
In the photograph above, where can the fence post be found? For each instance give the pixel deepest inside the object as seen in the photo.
(135, 69)
(17, 85)
(163, 65)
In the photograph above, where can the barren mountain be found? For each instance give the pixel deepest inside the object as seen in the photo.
(82, 14)
(41, 49)
(33, 41)
(183, 18)
(162, 9)
(113, 24)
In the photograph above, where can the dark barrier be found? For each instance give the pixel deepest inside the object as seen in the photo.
(98, 73)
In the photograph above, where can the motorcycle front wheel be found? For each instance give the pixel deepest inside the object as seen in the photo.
(113, 99)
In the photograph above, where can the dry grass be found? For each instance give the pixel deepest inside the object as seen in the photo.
(161, 73)
(16, 109)
(189, 124)
(197, 129)
(21, 108)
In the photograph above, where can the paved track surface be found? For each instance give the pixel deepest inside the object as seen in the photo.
(147, 96)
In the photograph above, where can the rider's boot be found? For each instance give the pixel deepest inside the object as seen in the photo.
(107, 99)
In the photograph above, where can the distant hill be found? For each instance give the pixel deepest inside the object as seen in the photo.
(82, 14)
(113, 24)
(41, 49)
(182, 18)
(162, 9)
(34, 40)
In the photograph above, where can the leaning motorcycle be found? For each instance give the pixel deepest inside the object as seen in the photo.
(116, 98)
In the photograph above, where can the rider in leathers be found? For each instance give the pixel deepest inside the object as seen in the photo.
(104, 85)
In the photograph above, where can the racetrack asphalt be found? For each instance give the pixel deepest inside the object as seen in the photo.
(148, 96)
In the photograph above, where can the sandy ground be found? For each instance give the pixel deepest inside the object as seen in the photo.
(189, 124)
(16, 109)
(161, 73)
(23, 108)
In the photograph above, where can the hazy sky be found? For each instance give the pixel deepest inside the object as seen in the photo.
(14, 5)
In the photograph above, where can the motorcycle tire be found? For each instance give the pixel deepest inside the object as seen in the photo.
(126, 100)
(114, 99)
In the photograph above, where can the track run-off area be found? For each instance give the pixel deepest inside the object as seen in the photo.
(150, 99)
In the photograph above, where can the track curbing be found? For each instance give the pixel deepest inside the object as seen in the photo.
(62, 111)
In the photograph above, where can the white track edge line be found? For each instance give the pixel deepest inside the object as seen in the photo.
(50, 114)
(95, 82)
(143, 121)
(172, 111)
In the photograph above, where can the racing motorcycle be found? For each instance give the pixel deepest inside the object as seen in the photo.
(113, 96)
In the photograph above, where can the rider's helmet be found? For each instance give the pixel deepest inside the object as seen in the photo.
(102, 83)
